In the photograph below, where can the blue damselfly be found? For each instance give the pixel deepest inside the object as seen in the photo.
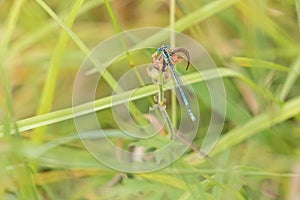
(164, 59)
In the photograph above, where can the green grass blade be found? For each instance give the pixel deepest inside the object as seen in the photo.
(255, 126)
(29, 39)
(107, 76)
(26, 185)
(4, 43)
(193, 18)
(297, 3)
(112, 16)
(118, 30)
(106, 102)
(203, 13)
(290, 80)
(10, 25)
(48, 91)
(55, 64)
(260, 20)
(255, 63)
(165, 179)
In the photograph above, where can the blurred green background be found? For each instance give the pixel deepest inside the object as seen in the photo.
(254, 43)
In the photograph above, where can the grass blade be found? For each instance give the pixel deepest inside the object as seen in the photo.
(290, 80)
(253, 127)
(106, 102)
(50, 84)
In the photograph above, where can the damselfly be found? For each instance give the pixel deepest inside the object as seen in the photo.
(164, 59)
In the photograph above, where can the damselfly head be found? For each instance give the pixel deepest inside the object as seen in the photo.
(160, 49)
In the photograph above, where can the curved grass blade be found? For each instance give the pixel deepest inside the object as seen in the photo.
(103, 103)
(253, 127)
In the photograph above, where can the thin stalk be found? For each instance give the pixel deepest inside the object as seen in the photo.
(173, 44)
(160, 89)
(172, 22)
(161, 105)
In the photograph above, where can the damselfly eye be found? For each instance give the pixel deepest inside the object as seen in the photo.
(167, 46)
(158, 50)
